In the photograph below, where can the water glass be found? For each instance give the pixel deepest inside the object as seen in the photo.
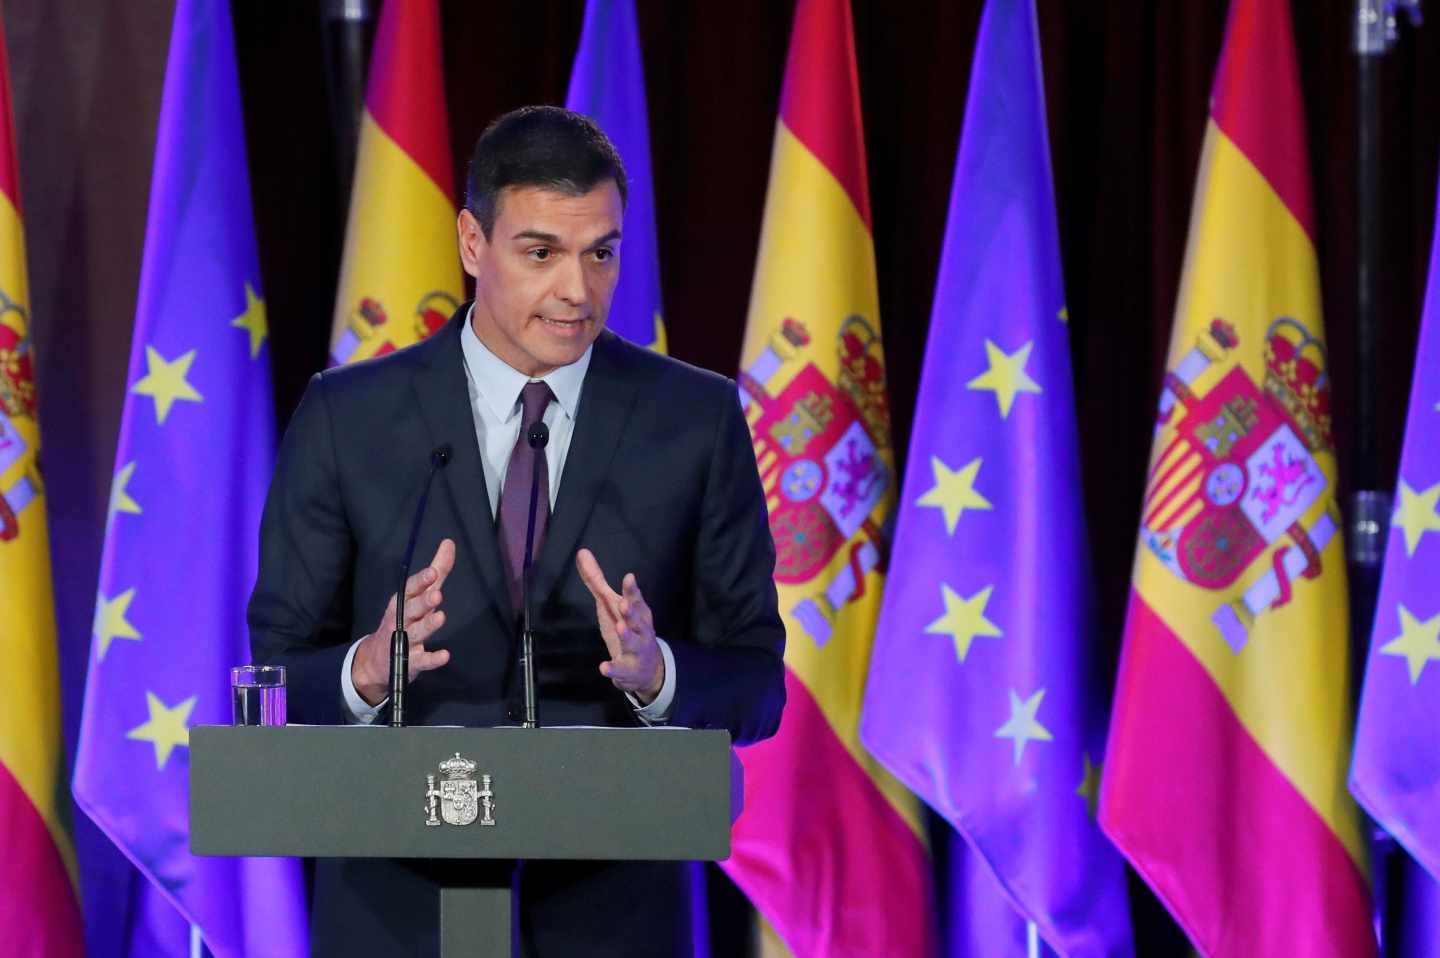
(258, 694)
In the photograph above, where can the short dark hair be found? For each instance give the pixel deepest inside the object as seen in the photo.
(544, 146)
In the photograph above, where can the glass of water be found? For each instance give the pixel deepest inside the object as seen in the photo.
(258, 694)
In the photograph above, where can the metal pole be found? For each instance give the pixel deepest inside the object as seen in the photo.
(347, 29)
(1376, 30)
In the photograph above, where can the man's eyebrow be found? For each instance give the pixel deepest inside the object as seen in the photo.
(537, 235)
(553, 240)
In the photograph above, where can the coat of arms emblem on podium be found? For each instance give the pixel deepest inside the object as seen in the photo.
(460, 799)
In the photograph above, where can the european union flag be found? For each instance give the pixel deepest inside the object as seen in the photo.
(1396, 770)
(986, 693)
(196, 447)
(607, 83)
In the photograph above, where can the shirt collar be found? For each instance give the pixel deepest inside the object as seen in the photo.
(499, 384)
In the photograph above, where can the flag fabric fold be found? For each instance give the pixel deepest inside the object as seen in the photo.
(830, 847)
(607, 83)
(1396, 771)
(987, 694)
(39, 909)
(399, 271)
(197, 442)
(1230, 735)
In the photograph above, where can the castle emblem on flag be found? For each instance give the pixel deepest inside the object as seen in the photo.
(17, 401)
(816, 443)
(459, 798)
(1239, 472)
(370, 325)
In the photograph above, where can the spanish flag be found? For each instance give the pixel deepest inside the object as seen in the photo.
(1231, 729)
(39, 910)
(400, 275)
(830, 847)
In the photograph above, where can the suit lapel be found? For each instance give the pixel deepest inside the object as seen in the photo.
(444, 399)
(605, 403)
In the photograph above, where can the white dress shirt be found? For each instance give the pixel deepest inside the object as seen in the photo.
(495, 406)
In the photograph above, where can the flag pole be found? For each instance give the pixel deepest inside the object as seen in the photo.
(349, 25)
(1376, 32)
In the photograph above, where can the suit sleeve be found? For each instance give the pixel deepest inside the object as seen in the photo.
(731, 673)
(299, 614)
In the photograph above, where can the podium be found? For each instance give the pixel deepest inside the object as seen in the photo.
(493, 795)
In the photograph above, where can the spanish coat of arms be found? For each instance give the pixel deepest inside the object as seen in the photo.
(1239, 472)
(460, 798)
(817, 445)
(17, 402)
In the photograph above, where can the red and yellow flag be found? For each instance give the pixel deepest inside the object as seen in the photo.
(1230, 736)
(39, 910)
(830, 848)
(400, 275)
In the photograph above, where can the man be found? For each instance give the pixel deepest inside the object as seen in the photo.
(652, 593)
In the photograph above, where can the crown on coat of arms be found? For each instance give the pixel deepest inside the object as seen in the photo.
(1296, 376)
(457, 767)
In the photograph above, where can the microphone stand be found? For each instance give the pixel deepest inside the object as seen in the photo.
(538, 437)
(399, 641)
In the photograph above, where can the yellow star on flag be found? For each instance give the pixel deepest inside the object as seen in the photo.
(1089, 788)
(166, 727)
(1006, 375)
(659, 344)
(964, 619)
(1418, 642)
(1064, 314)
(120, 500)
(1417, 514)
(954, 491)
(253, 320)
(165, 382)
(1023, 727)
(110, 622)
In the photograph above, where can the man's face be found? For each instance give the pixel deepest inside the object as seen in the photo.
(544, 279)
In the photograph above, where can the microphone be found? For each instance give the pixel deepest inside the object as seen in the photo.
(538, 437)
(399, 641)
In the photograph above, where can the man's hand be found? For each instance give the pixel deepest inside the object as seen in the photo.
(370, 668)
(628, 628)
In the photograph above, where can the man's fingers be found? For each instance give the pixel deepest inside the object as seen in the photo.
(421, 606)
(592, 575)
(423, 661)
(425, 627)
(444, 561)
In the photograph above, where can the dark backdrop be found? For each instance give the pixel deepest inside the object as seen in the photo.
(1127, 83)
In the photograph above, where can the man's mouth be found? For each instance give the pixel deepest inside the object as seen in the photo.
(560, 322)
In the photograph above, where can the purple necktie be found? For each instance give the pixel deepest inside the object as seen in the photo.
(514, 512)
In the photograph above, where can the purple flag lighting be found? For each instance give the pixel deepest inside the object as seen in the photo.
(1396, 770)
(987, 694)
(197, 443)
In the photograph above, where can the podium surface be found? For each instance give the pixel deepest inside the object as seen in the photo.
(496, 794)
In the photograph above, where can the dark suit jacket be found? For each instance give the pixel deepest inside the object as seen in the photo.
(660, 480)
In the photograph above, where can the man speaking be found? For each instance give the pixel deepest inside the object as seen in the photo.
(651, 586)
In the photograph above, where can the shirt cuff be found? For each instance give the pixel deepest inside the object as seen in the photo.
(658, 711)
(357, 710)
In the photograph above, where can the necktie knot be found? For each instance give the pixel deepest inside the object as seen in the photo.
(534, 399)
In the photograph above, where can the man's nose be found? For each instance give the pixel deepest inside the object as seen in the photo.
(570, 282)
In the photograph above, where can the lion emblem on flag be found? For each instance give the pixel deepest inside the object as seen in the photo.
(1239, 472)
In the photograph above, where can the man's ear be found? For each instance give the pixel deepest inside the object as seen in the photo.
(472, 242)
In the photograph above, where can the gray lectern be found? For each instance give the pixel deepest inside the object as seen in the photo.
(493, 795)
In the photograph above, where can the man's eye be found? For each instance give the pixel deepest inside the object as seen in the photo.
(603, 254)
(540, 254)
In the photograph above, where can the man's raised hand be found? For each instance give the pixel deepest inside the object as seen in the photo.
(370, 669)
(628, 628)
